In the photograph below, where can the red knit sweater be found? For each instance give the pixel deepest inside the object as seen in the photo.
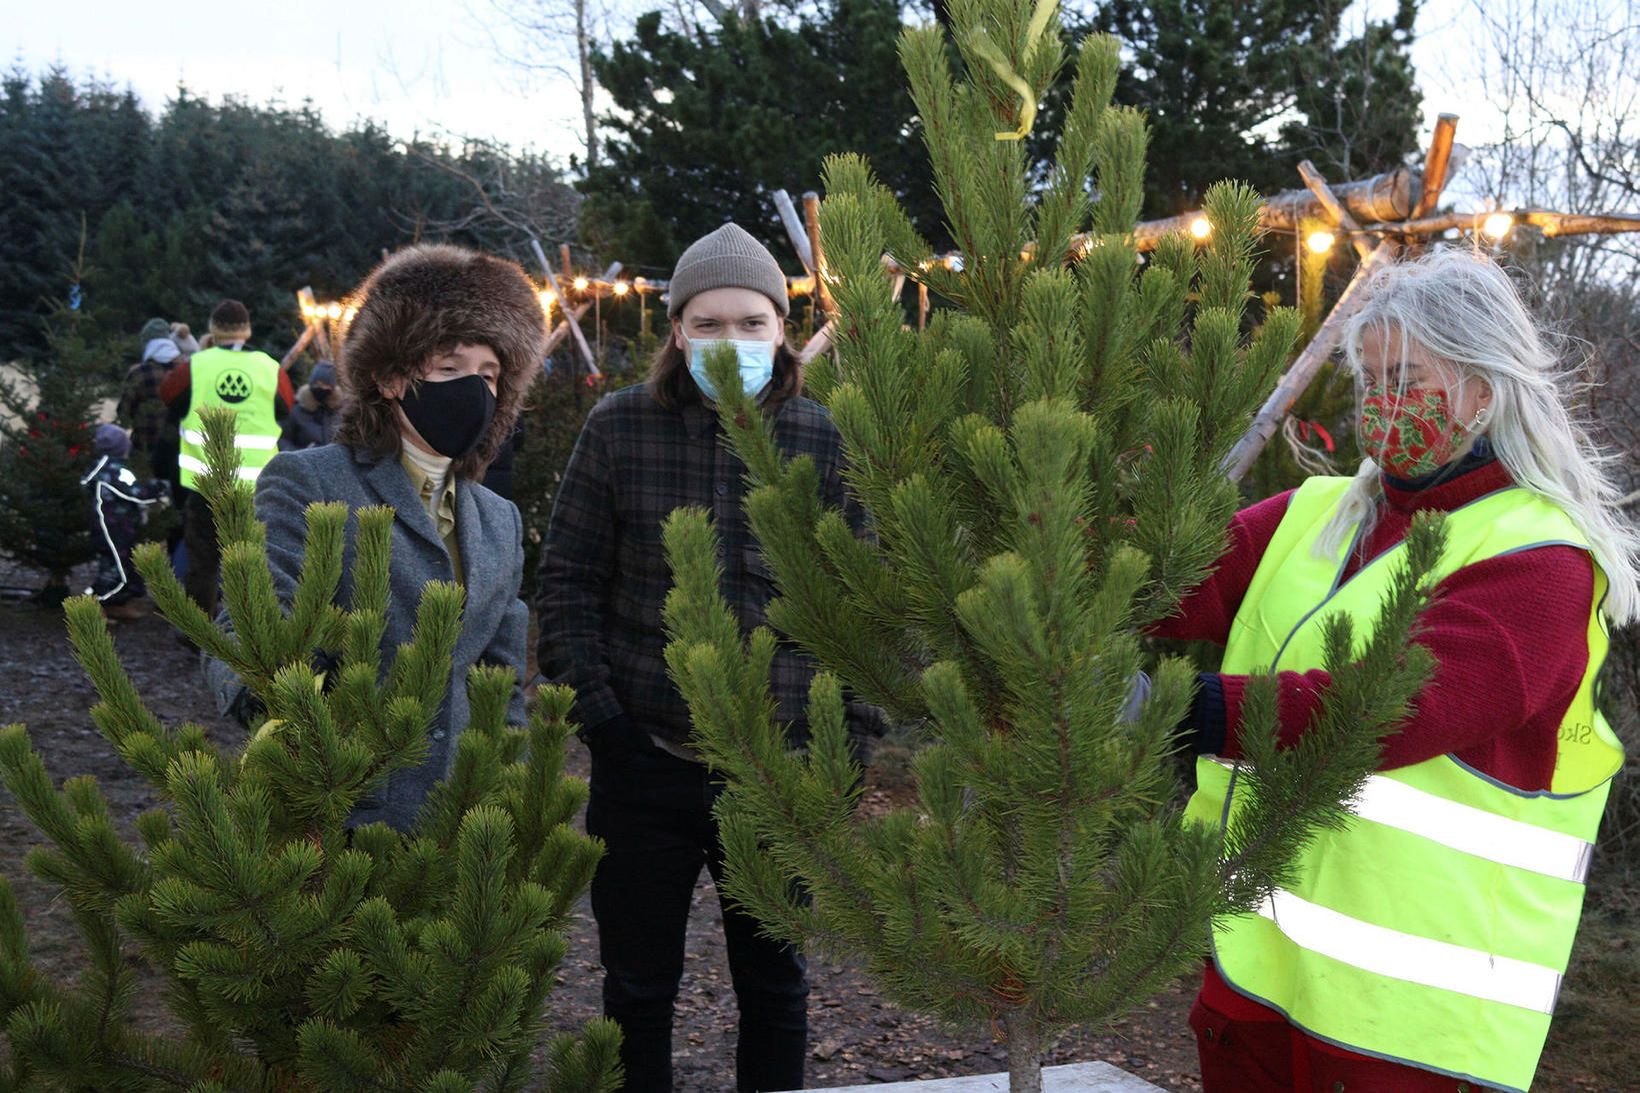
(1509, 637)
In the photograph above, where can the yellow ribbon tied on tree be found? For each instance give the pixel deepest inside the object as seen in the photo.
(980, 42)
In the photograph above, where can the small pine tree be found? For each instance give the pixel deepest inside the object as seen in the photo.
(298, 954)
(45, 446)
(1042, 472)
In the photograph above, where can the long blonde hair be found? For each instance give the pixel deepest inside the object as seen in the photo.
(1462, 308)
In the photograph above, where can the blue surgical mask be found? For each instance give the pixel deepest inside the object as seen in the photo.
(756, 364)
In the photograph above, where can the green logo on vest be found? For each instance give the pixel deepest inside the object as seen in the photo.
(233, 386)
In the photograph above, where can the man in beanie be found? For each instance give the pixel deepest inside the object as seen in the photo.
(643, 452)
(252, 385)
(312, 421)
(435, 367)
(117, 503)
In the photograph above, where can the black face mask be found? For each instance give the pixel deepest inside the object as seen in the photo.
(452, 416)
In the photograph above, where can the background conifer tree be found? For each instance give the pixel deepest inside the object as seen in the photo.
(297, 954)
(47, 408)
(1041, 469)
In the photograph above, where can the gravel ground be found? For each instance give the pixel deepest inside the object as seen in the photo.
(856, 1036)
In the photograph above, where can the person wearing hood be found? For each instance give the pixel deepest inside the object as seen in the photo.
(119, 500)
(434, 371)
(141, 409)
(312, 421)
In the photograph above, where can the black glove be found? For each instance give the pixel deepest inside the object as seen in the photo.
(1204, 727)
(618, 737)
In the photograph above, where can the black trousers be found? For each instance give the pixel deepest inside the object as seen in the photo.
(654, 813)
(204, 555)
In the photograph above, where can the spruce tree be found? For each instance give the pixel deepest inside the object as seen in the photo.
(1041, 470)
(298, 954)
(46, 427)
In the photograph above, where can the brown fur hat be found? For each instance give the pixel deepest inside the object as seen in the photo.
(419, 302)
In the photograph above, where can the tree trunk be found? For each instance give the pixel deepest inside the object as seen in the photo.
(1024, 1053)
(583, 49)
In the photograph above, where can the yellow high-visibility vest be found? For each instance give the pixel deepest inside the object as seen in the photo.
(246, 382)
(1435, 927)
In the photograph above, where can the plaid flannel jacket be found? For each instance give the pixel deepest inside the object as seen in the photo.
(603, 574)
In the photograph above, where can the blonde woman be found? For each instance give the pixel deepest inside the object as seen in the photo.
(1421, 947)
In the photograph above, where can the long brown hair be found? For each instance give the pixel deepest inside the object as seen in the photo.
(671, 385)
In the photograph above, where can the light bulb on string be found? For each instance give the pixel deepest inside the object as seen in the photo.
(1201, 227)
(1497, 226)
(334, 311)
(620, 288)
(581, 284)
(1320, 242)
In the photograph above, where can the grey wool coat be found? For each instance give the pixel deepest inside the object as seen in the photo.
(494, 621)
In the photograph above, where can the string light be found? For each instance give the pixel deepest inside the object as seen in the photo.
(548, 298)
(581, 284)
(1497, 226)
(620, 288)
(1320, 242)
(1201, 227)
(316, 312)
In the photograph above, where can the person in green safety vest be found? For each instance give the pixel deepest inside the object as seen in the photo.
(257, 390)
(1421, 946)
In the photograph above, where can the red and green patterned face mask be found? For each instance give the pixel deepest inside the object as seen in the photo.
(1408, 433)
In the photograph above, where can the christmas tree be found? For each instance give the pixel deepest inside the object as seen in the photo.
(45, 446)
(297, 953)
(1041, 470)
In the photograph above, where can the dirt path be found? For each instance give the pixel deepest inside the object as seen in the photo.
(855, 1037)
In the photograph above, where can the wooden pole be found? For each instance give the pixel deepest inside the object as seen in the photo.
(301, 344)
(794, 229)
(820, 343)
(1341, 216)
(1435, 165)
(1549, 223)
(922, 307)
(571, 315)
(1297, 377)
(322, 335)
(817, 253)
(566, 324)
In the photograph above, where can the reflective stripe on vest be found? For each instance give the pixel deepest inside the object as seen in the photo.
(246, 382)
(1432, 929)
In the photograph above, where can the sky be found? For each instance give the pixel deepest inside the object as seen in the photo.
(421, 66)
(418, 66)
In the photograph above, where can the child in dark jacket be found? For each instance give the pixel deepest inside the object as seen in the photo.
(118, 504)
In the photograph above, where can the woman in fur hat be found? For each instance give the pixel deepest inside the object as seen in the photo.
(434, 371)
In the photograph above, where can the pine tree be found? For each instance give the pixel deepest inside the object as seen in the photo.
(297, 954)
(1041, 469)
(46, 415)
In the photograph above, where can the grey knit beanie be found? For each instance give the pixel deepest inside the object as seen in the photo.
(727, 258)
(153, 328)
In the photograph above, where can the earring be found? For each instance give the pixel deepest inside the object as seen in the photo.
(1480, 417)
